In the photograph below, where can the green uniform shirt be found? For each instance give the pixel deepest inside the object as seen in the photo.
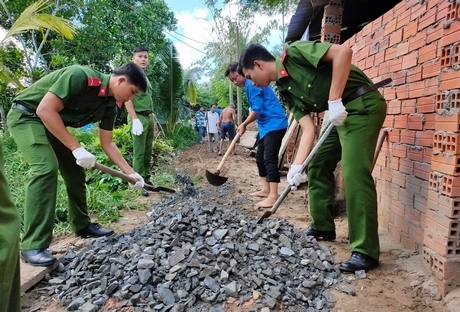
(304, 80)
(143, 102)
(83, 91)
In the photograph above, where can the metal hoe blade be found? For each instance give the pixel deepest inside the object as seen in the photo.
(215, 179)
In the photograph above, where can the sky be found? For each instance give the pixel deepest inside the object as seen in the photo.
(191, 18)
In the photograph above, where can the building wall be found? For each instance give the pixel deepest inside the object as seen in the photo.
(417, 173)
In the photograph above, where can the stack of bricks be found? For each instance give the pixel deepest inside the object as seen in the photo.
(417, 174)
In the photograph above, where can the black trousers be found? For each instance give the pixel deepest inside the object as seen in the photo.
(267, 155)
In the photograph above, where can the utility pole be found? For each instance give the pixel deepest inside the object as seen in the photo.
(230, 87)
(238, 90)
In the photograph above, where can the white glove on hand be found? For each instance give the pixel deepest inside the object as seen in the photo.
(295, 177)
(137, 127)
(84, 158)
(337, 112)
(140, 181)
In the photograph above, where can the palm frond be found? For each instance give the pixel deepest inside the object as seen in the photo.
(191, 92)
(8, 76)
(32, 19)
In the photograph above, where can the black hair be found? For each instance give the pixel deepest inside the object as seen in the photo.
(231, 68)
(134, 74)
(140, 49)
(254, 52)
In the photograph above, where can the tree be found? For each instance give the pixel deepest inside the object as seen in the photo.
(170, 88)
(32, 19)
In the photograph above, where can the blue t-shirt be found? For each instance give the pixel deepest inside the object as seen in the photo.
(263, 102)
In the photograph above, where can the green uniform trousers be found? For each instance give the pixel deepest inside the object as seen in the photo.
(10, 283)
(46, 155)
(143, 146)
(354, 143)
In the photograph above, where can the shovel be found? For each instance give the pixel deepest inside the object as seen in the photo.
(215, 178)
(127, 178)
(286, 191)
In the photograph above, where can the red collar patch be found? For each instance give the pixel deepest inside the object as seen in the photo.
(94, 82)
(283, 72)
(102, 91)
(283, 55)
(119, 104)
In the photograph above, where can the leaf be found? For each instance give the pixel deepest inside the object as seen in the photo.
(32, 19)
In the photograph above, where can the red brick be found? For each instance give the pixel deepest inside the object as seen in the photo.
(400, 121)
(402, 48)
(414, 74)
(451, 28)
(408, 106)
(434, 33)
(446, 163)
(396, 37)
(408, 137)
(450, 186)
(450, 80)
(403, 19)
(431, 69)
(396, 64)
(393, 163)
(415, 122)
(438, 141)
(388, 122)
(390, 27)
(399, 78)
(428, 53)
(431, 86)
(420, 203)
(444, 205)
(427, 19)
(415, 154)
(402, 92)
(446, 122)
(406, 166)
(401, 224)
(417, 89)
(427, 152)
(410, 29)
(422, 170)
(426, 104)
(430, 121)
(424, 138)
(418, 41)
(377, 23)
(410, 60)
(394, 135)
(394, 107)
(417, 11)
(399, 150)
(435, 181)
(453, 143)
(450, 38)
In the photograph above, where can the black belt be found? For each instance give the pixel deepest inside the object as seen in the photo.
(23, 108)
(144, 113)
(366, 89)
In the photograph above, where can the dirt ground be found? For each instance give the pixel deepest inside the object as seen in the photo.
(402, 282)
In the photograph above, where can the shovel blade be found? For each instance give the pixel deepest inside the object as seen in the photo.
(215, 179)
(266, 214)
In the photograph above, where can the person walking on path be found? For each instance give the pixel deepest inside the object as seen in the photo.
(73, 96)
(212, 119)
(272, 123)
(200, 123)
(10, 282)
(227, 120)
(313, 76)
(140, 111)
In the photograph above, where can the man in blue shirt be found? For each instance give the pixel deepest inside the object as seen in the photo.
(200, 123)
(272, 123)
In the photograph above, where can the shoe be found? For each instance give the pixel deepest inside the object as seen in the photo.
(145, 193)
(357, 262)
(321, 235)
(94, 230)
(38, 257)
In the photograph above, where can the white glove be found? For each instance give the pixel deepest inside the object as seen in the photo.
(295, 177)
(337, 112)
(84, 158)
(140, 181)
(137, 127)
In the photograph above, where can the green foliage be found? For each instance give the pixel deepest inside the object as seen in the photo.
(183, 137)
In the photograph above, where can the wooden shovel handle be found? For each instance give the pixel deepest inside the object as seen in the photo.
(229, 150)
(115, 173)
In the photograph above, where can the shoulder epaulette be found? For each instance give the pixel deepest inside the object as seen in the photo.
(94, 82)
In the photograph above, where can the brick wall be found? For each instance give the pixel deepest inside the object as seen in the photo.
(417, 173)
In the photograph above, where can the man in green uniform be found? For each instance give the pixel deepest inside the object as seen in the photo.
(140, 109)
(10, 283)
(70, 97)
(314, 77)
